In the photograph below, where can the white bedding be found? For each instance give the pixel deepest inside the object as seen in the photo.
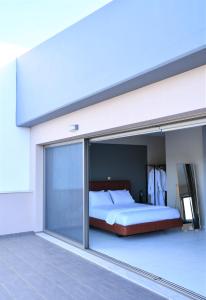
(134, 213)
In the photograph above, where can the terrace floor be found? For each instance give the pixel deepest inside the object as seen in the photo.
(33, 268)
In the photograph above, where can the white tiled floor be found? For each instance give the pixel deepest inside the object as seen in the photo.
(178, 256)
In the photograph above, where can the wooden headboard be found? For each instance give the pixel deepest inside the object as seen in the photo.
(109, 185)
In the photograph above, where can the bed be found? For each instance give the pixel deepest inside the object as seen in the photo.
(130, 219)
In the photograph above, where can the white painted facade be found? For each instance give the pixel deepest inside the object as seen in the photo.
(21, 149)
(16, 212)
(22, 155)
(14, 149)
(15, 188)
(178, 94)
(175, 95)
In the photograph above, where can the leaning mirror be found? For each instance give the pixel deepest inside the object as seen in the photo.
(188, 194)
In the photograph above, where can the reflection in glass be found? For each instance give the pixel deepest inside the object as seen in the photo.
(64, 191)
(187, 203)
(188, 194)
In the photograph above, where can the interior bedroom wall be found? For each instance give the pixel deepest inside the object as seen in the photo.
(120, 162)
(185, 146)
(155, 146)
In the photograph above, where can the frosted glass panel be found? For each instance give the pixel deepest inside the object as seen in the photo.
(64, 191)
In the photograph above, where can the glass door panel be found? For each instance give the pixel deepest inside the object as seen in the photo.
(64, 191)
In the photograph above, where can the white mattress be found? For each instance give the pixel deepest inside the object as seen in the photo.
(134, 213)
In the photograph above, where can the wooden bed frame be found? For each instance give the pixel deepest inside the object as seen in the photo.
(130, 229)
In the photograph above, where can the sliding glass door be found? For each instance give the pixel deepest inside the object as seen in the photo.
(65, 201)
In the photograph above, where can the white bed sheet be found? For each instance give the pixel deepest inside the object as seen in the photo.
(134, 213)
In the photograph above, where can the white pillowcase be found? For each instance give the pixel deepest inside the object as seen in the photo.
(121, 197)
(99, 198)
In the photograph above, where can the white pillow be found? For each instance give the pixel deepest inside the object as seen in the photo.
(99, 198)
(121, 197)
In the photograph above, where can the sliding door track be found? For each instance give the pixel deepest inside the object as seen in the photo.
(158, 279)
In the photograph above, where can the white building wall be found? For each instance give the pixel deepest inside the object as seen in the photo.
(16, 214)
(15, 201)
(14, 141)
(175, 95)
(24, 210)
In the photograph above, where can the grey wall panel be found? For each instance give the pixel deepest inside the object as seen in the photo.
(123, 46)
(120, 162)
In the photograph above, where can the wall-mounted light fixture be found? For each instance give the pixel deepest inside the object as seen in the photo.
(73, 127)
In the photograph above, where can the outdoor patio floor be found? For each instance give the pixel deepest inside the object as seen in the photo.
(33, 268)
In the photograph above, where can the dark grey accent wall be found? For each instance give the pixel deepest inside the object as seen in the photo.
(119, 48)
(120, 162)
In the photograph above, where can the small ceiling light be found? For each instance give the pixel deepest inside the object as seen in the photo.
(73, 127)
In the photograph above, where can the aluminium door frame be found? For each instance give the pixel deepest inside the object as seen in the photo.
(175, 126)
(161, 126)
(85, 199)
(95, 137)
